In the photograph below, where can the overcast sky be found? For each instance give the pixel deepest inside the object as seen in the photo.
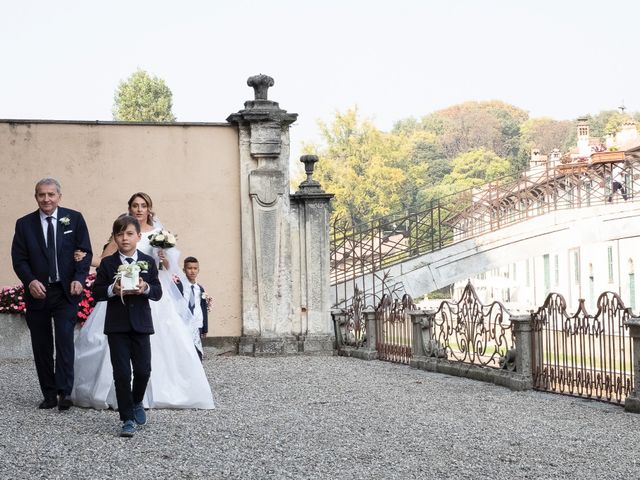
(63, 59)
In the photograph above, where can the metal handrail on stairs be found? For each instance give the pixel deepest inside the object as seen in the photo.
(370, 248)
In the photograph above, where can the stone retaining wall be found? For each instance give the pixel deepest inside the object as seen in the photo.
(14, 337)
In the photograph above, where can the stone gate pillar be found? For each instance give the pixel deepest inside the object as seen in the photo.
(271, 310)
(311, 285)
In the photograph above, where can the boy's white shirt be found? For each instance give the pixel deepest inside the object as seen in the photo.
(197, 310)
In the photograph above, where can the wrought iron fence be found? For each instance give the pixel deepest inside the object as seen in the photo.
(470, 332)
(355, 327)
(394, 336)
(581, 354)
(584, 355)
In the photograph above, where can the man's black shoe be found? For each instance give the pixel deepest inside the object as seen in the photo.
(64, 403)
(48, 403)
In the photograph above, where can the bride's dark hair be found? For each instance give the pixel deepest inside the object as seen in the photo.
(149, 203)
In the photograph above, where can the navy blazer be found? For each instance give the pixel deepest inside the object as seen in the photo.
(203, 307)
(135, 313)
(29, 253)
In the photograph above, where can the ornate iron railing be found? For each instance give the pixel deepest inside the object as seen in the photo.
(394, 335)
(580, 354)
(359, 250)
(355, 327)
(470, 332)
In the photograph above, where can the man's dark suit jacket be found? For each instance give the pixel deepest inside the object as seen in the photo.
(29, 253)
(135, 313)
(203, 307)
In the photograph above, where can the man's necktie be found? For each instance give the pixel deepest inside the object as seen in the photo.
(129, 259)
(51, 251)
(192, 299)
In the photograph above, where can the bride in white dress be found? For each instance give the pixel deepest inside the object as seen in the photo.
(177, 377)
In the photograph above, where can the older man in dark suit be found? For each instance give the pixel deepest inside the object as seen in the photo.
(42, 253)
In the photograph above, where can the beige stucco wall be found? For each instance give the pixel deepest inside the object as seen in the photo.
(191, 171)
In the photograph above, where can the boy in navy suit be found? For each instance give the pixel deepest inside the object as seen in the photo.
(194, 294)
(128, 321)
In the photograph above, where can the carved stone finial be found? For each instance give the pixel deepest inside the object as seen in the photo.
(309, 185)
(309, 165)
(260, 84)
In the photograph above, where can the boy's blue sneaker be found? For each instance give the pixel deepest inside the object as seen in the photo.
(138, 414)
(128, 429)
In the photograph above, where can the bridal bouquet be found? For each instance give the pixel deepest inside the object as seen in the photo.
(163, 239)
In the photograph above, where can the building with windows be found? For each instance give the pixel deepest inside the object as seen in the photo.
(582, 177)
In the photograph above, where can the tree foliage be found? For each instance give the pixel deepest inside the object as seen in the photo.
(476, 167)
(143, 98)
(546, 135)
(362, 165)
(374, 173)
(493, 125)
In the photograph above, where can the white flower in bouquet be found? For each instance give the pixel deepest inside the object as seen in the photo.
(163, 239)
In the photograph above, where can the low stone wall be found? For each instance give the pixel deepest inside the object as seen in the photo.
(15, 342)
(14, 337)
(221, 345)
(505, 378)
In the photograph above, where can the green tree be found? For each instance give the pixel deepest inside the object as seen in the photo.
(476, 168)
(362, 166)
(607, 122)
(493, 125)
(545, 134)
(424, 167)
(143, 98)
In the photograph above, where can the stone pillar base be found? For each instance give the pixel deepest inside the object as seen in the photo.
(268, 346)
(359, 353)
(318, 344)
(286, 345)
(632, 404)
(221, 345)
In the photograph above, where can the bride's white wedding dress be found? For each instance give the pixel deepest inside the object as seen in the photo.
(177, 377)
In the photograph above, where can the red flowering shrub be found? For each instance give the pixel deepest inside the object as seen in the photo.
(12, 300)
(209, 299)
(85, 307)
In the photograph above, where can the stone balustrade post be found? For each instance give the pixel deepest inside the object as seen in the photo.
(339, 317)
(421, 321)
(632, 402)
(522, 330)
(369, 314)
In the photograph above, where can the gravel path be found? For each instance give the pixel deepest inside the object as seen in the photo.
(323, 418)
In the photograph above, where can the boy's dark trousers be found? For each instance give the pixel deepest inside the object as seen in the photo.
(127, 350)
(127, 325)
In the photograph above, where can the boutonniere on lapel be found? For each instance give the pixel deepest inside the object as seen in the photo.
(203, 296)
(65, 221)
(144, 266)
